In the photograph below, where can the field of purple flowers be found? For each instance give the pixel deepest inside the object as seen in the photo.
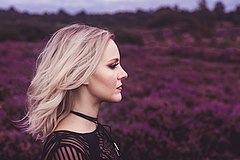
(181, 102)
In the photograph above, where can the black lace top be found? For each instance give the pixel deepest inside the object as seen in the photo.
(67, 145)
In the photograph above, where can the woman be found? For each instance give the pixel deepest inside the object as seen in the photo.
(78, 69)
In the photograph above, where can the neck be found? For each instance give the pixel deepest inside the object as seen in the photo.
(87, 109)
(85, 103)
(92, 119)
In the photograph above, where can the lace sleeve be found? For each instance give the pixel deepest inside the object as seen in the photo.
(66, 152)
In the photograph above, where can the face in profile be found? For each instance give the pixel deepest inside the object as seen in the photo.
(105, 83)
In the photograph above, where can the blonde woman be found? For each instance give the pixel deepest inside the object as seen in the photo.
(78, 69)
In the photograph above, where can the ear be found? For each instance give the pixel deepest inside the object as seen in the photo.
(86, 82)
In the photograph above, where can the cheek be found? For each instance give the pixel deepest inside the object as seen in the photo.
(107, 79)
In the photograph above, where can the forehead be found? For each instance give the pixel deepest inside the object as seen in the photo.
(111, 51)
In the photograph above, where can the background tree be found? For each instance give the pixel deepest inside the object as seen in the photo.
(202, 5)
(219, 11)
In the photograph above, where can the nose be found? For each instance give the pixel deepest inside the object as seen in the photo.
(122, 74)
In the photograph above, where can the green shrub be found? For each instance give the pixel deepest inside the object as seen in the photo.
(128, 37)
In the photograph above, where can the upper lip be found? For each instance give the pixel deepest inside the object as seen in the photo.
(119, 86)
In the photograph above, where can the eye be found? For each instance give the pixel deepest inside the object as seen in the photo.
(113, 66)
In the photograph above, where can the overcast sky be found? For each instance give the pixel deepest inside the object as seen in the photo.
(106, 6)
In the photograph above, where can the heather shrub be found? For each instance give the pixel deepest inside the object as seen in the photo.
(187, 112)
(179, 103)
(170, 132)
(16, 145)
(159, 36)
(3, 53)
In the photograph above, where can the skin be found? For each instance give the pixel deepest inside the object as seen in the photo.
(104, 85)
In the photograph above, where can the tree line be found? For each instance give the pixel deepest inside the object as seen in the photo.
(23, 26)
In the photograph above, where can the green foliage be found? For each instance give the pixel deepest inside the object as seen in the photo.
(164, 17)
(202, 5)
(26, 27)
(128, 37)
(219, 11)
(226, 43)
(235, 16)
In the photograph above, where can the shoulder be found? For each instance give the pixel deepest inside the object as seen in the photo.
(65, 145)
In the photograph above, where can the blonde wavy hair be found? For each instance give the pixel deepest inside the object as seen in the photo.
(68, 59)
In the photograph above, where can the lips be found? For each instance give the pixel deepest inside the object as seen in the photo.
(120, 87)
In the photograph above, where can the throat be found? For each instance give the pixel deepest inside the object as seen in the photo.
(92, 119)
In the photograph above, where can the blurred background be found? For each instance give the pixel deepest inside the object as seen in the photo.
(182, 98)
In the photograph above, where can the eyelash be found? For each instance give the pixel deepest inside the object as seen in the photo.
(112, 66)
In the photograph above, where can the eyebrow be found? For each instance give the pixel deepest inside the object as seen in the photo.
(114, 59)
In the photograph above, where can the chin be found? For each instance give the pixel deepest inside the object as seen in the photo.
(115, 99)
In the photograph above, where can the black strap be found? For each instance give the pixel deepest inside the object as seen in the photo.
(92, 144)
(91, 138)
(92, 119)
